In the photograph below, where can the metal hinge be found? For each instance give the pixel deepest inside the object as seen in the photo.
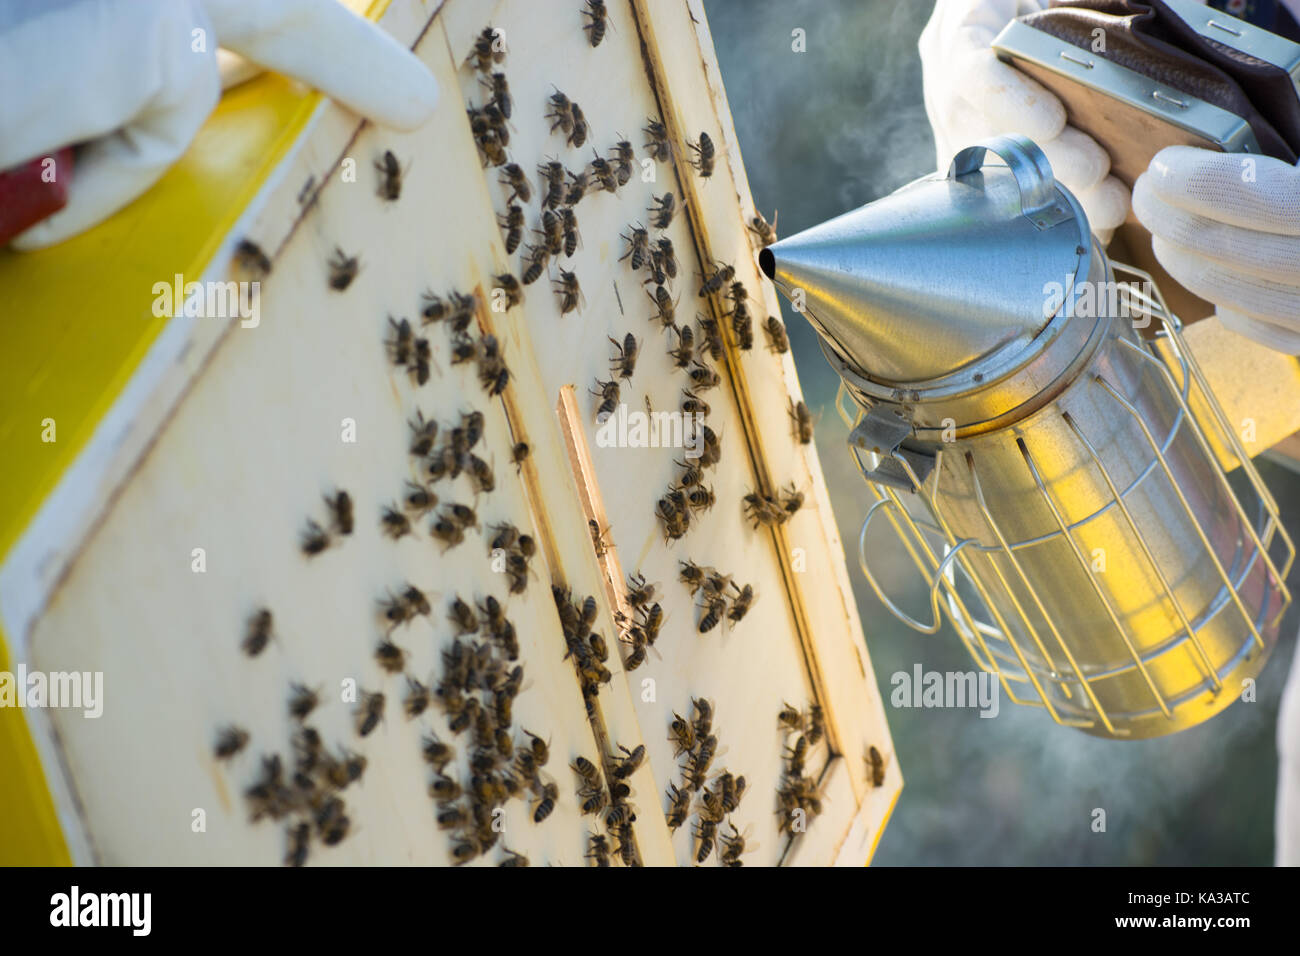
(883, 431)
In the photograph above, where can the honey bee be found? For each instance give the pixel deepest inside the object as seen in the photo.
(715, 283)
(710, 337)
(744, 600)
(489, 48)
(705, 832)
(541, 750)
(661, 210)
(638, 247)
(577, 189)
(552, 232)
(258, 633)
(343, 269)
(816, 723)
(635, 637)
(795, 757)
(624, 360)
(390, 657)
(665, 257)
(704, 155)
(546, 802)
(619, 816)
(251, 258)
(624, 156)
(464, 850)
(703, 377)
(629, 763)
(423, 435)
(390, 184)
(561, 112)
(601, 544)
(481, 472)
(658, 146)
(803, 423)
(416, 700)
(639, 592)
(692, 404)
(444, 789)
(700, 498)
(436, 753)
(463, 618)
(652, 622)
(790, 718)
(552, 177)
(230, 741)
(314, 540)
(418, 499)
(791, 500)
(692, 575)
(712, 450)
(588, 772)
(369, 712)
(733, 789)
(493, 149)
(682, 734)
(703, 722)
(492, 371)
(679, 806)
(603, 172)
(340, 506)
(763, 231)
(742, 326)
(302, 701)
(596, 15)
(537, 258)
(684, 354)
(513, 858)
(510, 285)
(401, 345)
(299, 841)
(452, 817)
(393, 523)
(569, 226)
(448, 532)
(609, 393)
(667, 308)
(500, 90)
(714, 610)
(578, 136)
(512, 176)
(570, 293)
(777, 340)
(598, 850)
(876, 764)
(519, 453)
(733, 847)
(512, 223)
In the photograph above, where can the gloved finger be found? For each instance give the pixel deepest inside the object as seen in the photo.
(1106, 206)
(1009, 101)
(1275, 337)
(65, 79)
(1078, 161)
(1266, 299)
(1265, 255)
(114, 169)
(1253, 192)
(328, 47)
(234, 69)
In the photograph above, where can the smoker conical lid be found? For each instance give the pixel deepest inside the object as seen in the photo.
(943, 273)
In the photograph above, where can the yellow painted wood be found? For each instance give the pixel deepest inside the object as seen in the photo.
(76, 321)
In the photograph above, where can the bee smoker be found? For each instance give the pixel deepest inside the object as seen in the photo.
(1045, 447)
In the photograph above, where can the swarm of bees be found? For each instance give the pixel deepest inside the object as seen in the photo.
(694, 738)
(587, 648)
(515, 550)
(720, 598)
(772, 510)
(798, 796)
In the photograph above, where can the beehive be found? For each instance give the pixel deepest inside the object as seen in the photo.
(185, 514)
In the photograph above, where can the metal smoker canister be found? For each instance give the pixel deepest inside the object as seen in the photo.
(1043, 461)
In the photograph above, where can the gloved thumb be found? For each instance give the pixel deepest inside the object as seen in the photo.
(333, 50)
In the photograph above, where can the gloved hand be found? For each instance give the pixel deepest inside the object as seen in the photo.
(971, 95)
(1227, 226)
(135, 79)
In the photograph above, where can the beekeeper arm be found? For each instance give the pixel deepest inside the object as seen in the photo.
(971, 95)
(134, 80)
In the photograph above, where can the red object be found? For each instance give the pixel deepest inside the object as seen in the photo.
(32, 191)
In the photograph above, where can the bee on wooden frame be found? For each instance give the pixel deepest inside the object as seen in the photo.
(512, 175)
(258, 633)
(704, 155)
(803, 422)
(489, 48)
(390, 182)
(499, 87)
(552, 175)
(251, 258)
(777, 339)
(609, 393)
(624, 360)
(638, 246)
(569, 291)
(666, 306)
(661, 210)
(401, 345)
(342, 269)
(658, 146)
(512, 223)
(369, 712)
(763, 231)
(510, 286)
(597, 20)
(230, 741)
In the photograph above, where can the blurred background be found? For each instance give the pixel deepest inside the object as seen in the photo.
(833, 128)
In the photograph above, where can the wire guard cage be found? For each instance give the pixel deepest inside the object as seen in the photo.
(1122, 581)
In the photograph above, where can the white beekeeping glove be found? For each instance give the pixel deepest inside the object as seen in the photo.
(1227, 226)
(971, 95)
(134, 80)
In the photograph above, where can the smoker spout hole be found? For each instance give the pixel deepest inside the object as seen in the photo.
(767, 262)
